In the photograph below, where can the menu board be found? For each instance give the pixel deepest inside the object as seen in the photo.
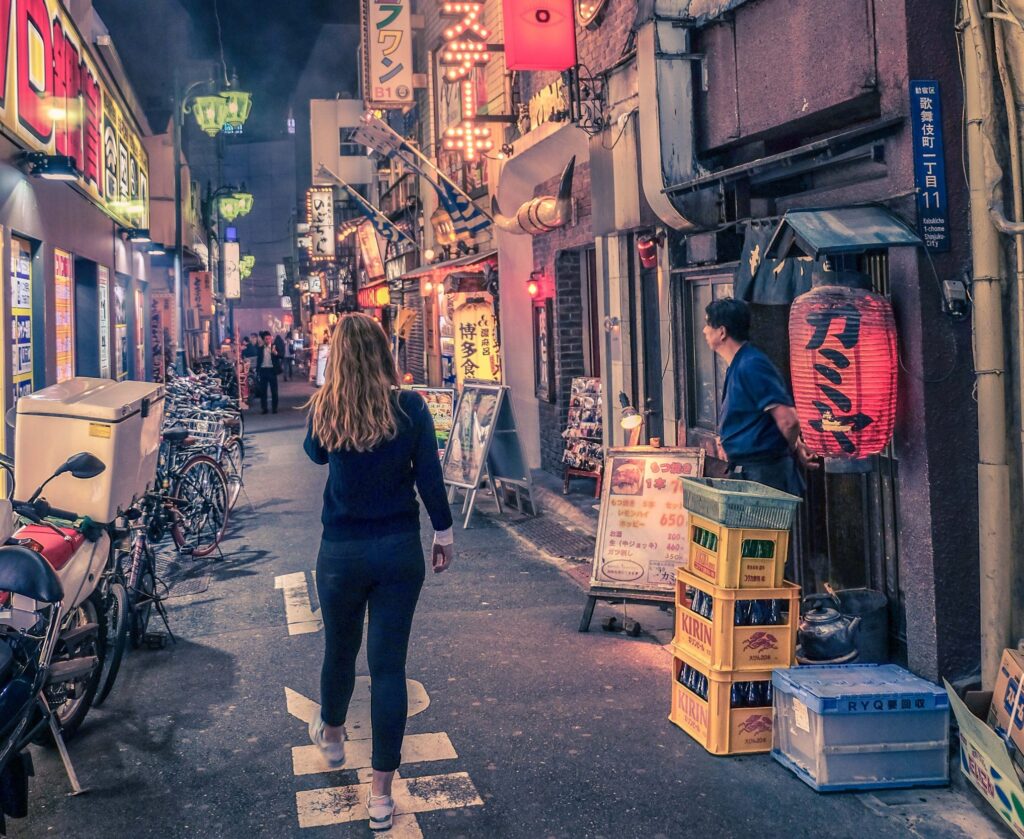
(584, 446)
(472, 430)
(21, 317)
(643, 526)
(64, 318)
(441, 404)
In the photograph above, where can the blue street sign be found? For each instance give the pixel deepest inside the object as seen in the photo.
(929, 164)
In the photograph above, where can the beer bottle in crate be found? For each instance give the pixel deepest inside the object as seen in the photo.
(742, 616)
(707, 606)
(775, 612)
(755, 695)
(738, 697)
(684, 674)
(759, 613)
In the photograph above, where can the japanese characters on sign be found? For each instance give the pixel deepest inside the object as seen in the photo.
(320, 217)
(64, 314)
(232, 272)
(929, 164)
(387, 53)
(539, 34)
(369, 250)
(643, 530)
(476, 342)
(103, 298)
(465, 50)
(57, 103)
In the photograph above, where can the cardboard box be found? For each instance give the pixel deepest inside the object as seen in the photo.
(1007, 709)
(985, 761)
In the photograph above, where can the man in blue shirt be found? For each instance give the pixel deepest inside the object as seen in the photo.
(758, 428)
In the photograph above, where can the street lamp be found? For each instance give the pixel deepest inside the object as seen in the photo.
(228, 107)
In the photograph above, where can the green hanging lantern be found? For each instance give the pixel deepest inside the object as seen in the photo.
(238, 104)
(210, 112)
(229, 207)
(245, 201)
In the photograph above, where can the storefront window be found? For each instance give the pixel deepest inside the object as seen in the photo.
(705, 370)
(64, 314)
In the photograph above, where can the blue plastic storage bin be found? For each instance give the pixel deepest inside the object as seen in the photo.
(860, 726)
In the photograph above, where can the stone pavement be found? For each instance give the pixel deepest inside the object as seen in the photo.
(520, 726)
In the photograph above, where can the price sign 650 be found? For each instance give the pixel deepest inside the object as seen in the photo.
(673, 520)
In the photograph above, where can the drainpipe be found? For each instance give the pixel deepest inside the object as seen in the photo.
(993, 472)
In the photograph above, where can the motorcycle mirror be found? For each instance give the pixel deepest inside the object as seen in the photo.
(83, 465)
(11, 417)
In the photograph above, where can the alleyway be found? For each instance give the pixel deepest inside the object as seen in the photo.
(523, 727)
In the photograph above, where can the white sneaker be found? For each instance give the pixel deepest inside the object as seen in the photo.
(381, 809)
(334, 753)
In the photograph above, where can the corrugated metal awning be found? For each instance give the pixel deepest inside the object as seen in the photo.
(838, 231)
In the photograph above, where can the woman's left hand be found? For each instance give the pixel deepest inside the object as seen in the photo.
(441, 557)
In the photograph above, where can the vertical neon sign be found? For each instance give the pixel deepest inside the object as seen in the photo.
(465, 49)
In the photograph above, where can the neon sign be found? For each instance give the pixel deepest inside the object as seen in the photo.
(465, 50)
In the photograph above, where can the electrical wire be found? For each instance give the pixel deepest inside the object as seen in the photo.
(220, 42)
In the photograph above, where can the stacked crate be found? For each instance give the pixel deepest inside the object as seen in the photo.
(736, 618)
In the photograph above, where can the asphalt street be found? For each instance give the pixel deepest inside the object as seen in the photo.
(522, 726)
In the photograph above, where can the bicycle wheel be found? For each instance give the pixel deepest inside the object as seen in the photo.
(143, 596)
(115, 603)
(232, 460)
(199, 498)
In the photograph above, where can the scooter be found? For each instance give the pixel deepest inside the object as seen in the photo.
(50, 630)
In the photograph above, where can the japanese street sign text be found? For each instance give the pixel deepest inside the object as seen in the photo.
(929, 164)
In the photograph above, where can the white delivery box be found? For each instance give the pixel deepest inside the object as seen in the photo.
(119, 422)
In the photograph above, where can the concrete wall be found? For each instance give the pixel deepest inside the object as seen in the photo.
(327, 118)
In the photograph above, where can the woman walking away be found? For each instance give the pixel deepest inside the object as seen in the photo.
(379, 443)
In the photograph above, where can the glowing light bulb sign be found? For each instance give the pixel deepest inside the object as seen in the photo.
(465, 49)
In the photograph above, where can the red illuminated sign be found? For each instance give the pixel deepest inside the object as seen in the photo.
(539, 34)
(464, 49)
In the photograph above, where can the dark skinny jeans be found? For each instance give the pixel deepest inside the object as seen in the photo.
(385, 573)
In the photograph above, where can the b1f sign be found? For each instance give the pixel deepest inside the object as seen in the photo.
(387, 53)
(539, 34)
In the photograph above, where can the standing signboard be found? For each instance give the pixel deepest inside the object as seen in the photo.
(642, 532)
(387, 53)
(441, 404)
(929, 164)
(484, 445)
(64, 315)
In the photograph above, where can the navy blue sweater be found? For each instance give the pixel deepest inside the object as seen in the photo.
(371, 493)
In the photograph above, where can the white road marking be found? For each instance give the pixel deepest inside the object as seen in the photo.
(302, 617)
(338, 805)
(416, 748)
(357, 725)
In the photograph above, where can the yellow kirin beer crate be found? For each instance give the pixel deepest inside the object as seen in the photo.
(736, 557)
(705, 711)
(718, 642)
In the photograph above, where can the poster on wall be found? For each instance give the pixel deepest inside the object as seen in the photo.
(121, 330)
(584, 434)
(441, 404)
(472, 430)
(21, 317)
(476, 342)
(140, 333)
(642, 533)
(64, 314)
(103, 291)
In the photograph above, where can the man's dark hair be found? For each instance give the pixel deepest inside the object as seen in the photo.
(264, 334)
(731, 313)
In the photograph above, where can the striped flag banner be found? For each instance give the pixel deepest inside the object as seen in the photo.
(467, 218)
(381, 223)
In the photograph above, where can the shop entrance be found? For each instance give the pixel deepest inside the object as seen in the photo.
(88, 334)
(847, 528)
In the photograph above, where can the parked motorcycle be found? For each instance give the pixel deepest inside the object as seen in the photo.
(52, 622)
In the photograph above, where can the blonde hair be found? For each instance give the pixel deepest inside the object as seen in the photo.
(355, 408)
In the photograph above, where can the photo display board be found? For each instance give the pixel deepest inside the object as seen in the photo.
(472, 432)
(643, 526)
(584, 434)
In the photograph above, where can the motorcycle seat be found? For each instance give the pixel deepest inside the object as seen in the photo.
(56, 550)
(26, 573)
(176, 434)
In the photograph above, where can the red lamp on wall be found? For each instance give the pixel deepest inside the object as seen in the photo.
(843, 357)
(533, 284)
(647, 248)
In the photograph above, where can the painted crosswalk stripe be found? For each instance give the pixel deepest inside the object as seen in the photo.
(301, 616)
(416, 748)
(338, 805)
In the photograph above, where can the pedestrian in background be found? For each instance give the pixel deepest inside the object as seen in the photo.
(380, 446)
(268, 368)
(289, 356)
(758, 427)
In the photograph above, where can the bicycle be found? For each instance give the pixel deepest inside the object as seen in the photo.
(193, 488)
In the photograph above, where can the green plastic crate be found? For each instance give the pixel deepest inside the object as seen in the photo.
(739, 503)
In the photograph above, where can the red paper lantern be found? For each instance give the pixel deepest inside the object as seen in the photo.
(647, 248)
(539, 34)
(842, 344)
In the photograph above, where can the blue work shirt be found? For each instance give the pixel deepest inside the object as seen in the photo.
(747, 430)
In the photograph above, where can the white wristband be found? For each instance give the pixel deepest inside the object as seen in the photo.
(444, 537)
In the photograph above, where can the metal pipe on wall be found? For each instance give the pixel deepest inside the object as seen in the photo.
(994, 545)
